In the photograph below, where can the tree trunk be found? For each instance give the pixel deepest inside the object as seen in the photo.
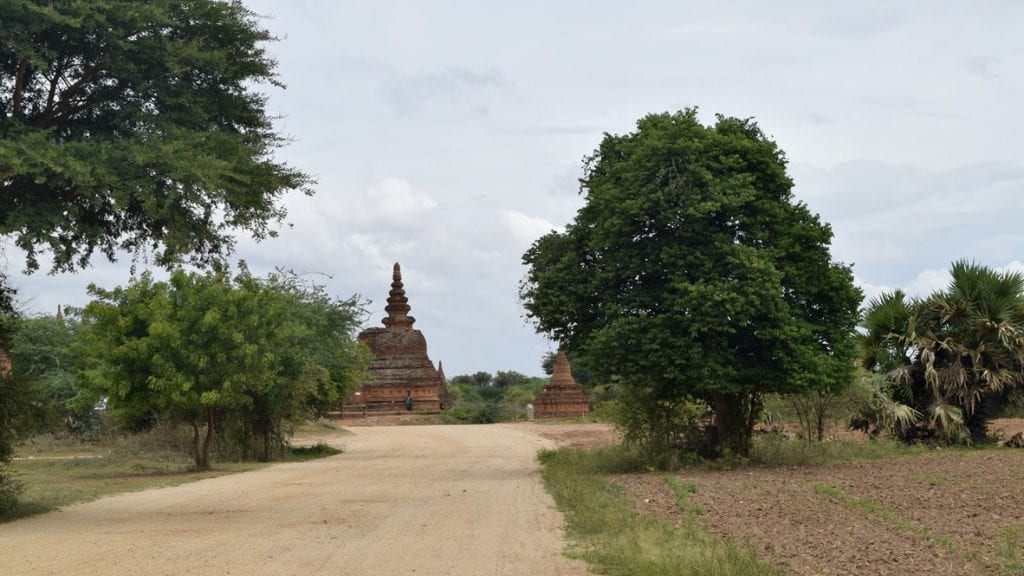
(208, 442)
(196, 454)
(735, 415)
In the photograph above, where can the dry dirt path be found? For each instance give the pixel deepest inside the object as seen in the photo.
(423, 500)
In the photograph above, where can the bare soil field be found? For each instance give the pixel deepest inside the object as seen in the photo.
(422, 500)
(947, 512)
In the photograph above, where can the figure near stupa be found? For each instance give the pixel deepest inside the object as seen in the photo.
(401, 377)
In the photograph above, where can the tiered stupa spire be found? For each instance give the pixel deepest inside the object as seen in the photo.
(398, 304)
(400, 376)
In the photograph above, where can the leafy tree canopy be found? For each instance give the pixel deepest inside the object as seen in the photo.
(44, 356)
(208, 348)
(691, 273)
(128, 125)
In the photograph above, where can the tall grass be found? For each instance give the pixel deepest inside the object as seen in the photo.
(776, 450)
(620, 541)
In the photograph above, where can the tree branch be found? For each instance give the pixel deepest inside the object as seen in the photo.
(19, 86)
(57, 73)
(88, 75)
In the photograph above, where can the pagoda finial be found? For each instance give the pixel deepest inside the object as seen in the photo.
(398, 305)
(562, 373)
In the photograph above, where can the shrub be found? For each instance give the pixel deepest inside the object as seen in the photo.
(10, 490)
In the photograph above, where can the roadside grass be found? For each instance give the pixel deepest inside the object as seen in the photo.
(53, 472)
(52, 482)
(619, 541)
(776, 450)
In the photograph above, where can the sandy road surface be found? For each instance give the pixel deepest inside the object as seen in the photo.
(423, 500)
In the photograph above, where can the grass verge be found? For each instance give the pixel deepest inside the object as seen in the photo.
(619, 541)
(52, 482)
(57, 474)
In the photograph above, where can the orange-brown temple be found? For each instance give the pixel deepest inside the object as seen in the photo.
(400, 366)
(562, 396)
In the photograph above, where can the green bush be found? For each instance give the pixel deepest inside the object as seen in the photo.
(10, 490)
(318, 450)
(673, 434)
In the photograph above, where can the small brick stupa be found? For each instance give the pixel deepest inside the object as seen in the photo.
(562, 396)
(400, 366)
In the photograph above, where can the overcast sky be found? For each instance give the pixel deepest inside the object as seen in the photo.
(448, 135)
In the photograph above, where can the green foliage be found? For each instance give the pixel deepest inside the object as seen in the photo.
(508, 379)
(482, 399)
(43, 353)
(10, 491)
(682, 493)
(318, 450)
(243, 354)
(949, 361)
(617, 540)
(660, 431)
(129, 125)
(692, 273)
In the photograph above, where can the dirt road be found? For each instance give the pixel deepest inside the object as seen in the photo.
(423, 500)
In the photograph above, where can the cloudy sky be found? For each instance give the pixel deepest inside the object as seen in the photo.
(448, 135)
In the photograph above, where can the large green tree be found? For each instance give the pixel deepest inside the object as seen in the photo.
(691, 273)
(128, 125)
(207, 349)
(947, 360)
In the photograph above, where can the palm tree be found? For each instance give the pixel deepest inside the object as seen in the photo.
(951, 355)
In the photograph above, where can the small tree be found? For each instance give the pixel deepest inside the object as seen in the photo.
(204, 349)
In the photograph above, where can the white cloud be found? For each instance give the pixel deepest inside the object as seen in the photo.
(928, 282)
(525, 229)
(1015, 266)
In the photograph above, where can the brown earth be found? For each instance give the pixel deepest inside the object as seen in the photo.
(947, 512)
(423, 500)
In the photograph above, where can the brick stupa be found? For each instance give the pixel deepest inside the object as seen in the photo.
(400, 364)
(562, 396)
